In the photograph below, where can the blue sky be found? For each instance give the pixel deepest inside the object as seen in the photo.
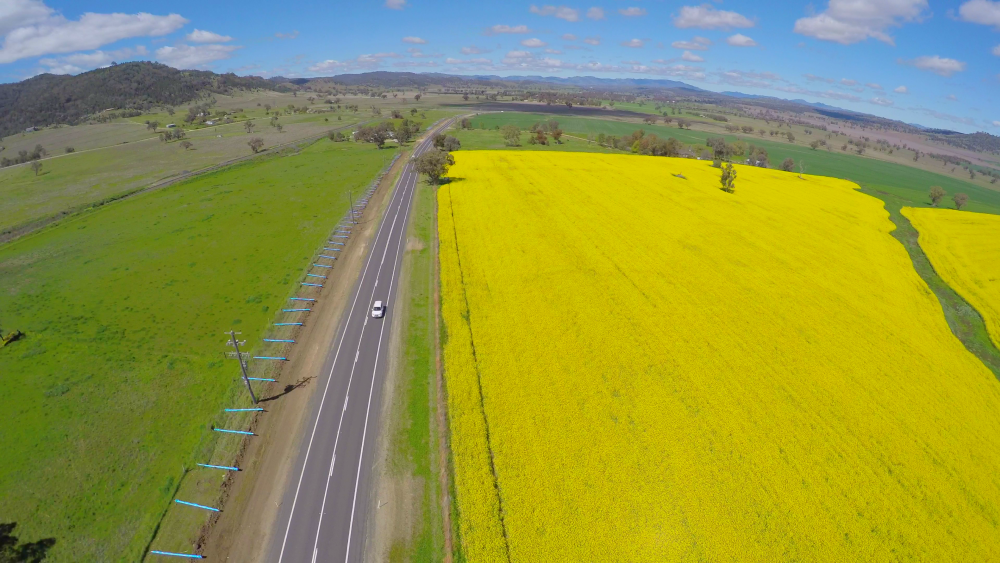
(920, 61)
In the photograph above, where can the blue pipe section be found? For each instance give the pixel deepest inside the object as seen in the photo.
(301, 299)
(336, 243)
(292, 311)
(332, 249)
(269, 358)
(328, 257)
(313, 284)
(260, 379)
(287, 324)
(172, 554)
(315, 276)
(197, 505)
(226, 467)
(233, 432)
(278, 340)
(322, 266)
(244, 410)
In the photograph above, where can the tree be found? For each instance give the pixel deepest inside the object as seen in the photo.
(417, 97)
(960, 200)
(434, 163)
(936, 195)
(36, 166)
(452, 144)
(248, 125)
(541, 138)
(814, 145)
(171, 111)
(511, 135)
(186, 145)
(728, 179)
(403, 134)
(791, 137)
(788, 165)
(152, 125)
(256, 144)
(557, 135)
(465, 97)
(267, 109)
(413, 112)
(12, 550)
(279, 127)
(70, 149)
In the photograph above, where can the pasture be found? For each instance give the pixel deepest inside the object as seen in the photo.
(909, 183)
(110, 395)
(965, 251)
(666, 372)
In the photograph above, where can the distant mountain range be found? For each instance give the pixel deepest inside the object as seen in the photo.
(138, 86)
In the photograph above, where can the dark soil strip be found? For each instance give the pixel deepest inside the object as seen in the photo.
(479, 379)
(963, 319)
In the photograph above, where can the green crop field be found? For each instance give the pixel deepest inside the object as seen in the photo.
(112, 391)
(907, 183)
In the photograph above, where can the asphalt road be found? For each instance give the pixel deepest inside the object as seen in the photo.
(324, 513)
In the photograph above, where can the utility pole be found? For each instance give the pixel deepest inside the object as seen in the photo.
(243, 367)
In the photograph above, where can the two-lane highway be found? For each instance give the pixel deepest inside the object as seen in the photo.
(325, 510)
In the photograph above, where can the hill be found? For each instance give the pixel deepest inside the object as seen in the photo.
(48, 99)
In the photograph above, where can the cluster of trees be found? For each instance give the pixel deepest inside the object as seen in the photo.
(175, 134)
(446, 143)
(379, 134)
(25, 156)
(937, 193)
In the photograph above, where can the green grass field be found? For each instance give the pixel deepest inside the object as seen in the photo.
(909, 184)
(111, 393)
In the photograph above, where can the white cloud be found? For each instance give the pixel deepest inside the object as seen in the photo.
(938, 65)
(534, 43)
(414, 40)
(901, 90)
(881, 102)
(291, 35)
(595, 13)
(951, 98)
(633, 43)
(561, 12)
(415, 64)
(418, 53)
(848, 82)
(707, 17)
(593, 40)
(553, 51)
(81, 62)
(631, 62)
(696, 44)
(193, 56)
(874, 86)
(363, 62)
(945, 116)
(33, 29)
(996, 123)
(395, 4)
(473, 50)
(853, 21)
(692, 58)
(982, 12)
(996, 50)
(814, 78)
(632, 12)
(477, 61)
(507, 29)
(201, 36)
(569, 37)
(740, 40)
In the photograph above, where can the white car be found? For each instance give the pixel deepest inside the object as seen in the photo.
(378, 310)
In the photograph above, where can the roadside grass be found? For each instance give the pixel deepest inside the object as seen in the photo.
(110, 396)
(413, 431)
(908, 183)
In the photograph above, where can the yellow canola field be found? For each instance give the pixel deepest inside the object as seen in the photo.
(964, 249)
(644, 368)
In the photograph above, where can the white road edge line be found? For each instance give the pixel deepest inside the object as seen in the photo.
(326, 389)
(361, 339)
(361, 455)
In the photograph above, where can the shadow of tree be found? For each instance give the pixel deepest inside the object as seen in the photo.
(12, 550)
